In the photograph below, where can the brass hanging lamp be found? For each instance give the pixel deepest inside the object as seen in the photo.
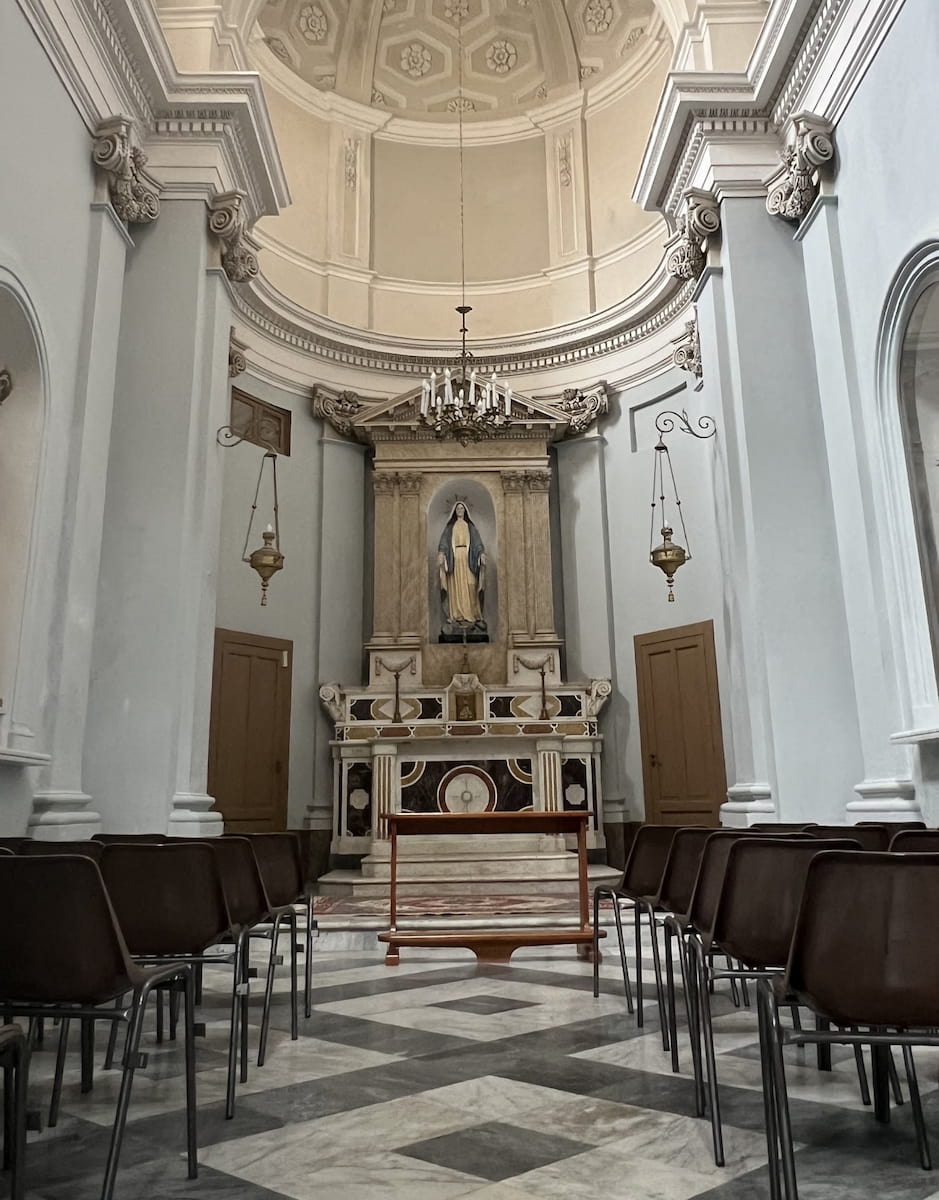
(669, 555)
(268, 558)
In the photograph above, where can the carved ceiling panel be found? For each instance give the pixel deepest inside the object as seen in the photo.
(516, 53)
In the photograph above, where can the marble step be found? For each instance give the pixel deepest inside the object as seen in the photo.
(483, 866)
(466, 881)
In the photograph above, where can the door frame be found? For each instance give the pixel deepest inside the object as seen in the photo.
(284, 645)
(641, 640)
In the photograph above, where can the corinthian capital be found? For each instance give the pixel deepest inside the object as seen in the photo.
(227, 221)
(338, 410)
(687, 352)
(792, 190)
(698, 222)
(133, 192)
(237, 362)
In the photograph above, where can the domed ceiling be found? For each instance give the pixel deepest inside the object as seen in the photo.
(402, 55)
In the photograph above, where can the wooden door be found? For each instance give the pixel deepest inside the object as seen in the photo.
(249, 735)
(680, 725)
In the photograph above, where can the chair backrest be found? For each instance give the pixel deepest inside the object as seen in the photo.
(278, 857)
(710, 877)
(681, 869)
(108, 838)
(759, 901)
(89, 849)
(915, 841)
(647, 858)
(12, 843)
(241, 880)
(868, 837)
(5, 850)
(864, 950)
(895, 826)
(168, 899)
(780, 826)
(64, 944)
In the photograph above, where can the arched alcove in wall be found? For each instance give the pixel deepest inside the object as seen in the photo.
(21, 425)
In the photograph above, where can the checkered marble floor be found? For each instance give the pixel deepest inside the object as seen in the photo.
(442, 1078)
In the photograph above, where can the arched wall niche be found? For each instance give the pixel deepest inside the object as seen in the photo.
(905, 527)
(478, 501)
(22, 420)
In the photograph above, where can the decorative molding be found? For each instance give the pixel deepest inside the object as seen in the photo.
(228, 224)
(384, 482)
(337, 410)
(409, 484)
(237, 362)
(6, 384)
(538, 481)
(565, 171)
(134, 193)
(686, 250)
(652, 308)
(792, 190)
(598, 693)
(584, 407)
(352, 162)
(687, 352)
(513, 481)
(331, 699)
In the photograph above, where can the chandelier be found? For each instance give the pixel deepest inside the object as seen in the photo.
(460, 404)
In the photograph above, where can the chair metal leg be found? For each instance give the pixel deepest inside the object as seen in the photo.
(56, 1098)
(173, 1002)
(823, 1051)
(88, 1053)
(744, 990)
(618, 921)
(294, 1014)
(696, 950)
(637, 934)
(769, 1100)
(236, 986)
(657, 967)
(734, 990)
(308, 961)
(15, 1077)
(894, 1078)
(596, 943)
(268, 993)
(158, 1000)
(922, 1142)
(781, 1096)
(245, 995)
(187, 983)
(132, 1059)
(695, 997)
(112, 1045)
(670, 932)
(861, 1071)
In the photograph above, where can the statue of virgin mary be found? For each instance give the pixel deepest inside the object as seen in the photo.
(461, 564)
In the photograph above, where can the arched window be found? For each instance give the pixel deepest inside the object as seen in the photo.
(919, 410)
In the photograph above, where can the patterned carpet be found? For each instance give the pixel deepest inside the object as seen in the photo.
(442, 1079)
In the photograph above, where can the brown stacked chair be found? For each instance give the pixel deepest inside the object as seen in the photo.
(915, 841)
(14, 1060)
(186, 912)
(64, 956)
(6, 850)
(12, 843)
(88, 849)
(895, 826)
(641, 877)
(106, 839)
(864, 957)
(747, 911)
(868, 837)
(781, 826)
(673, 895)
(281, 867)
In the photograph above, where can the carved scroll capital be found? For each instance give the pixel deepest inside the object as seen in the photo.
(513, 481)
(337, 410)
(228, 223)
(409, 483)
(584, 407)
(384, 482)
(699, 221)
(598, 693)
(331, 700)
(538, 481)
(132, 190)
(237, 362)
(687, 352)
(792, 190)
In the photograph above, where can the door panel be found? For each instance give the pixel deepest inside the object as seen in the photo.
(249, 739)
(680, 725)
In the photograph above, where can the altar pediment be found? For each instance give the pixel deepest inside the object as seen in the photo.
(398, 419)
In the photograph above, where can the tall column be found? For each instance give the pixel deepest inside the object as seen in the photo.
(412, 581)
(538, 525)
(385, 558)
(339, 621)
(778, 523)
(886, 790)
(60, 804)
(513, 488)
(589, 634)
(147, 737)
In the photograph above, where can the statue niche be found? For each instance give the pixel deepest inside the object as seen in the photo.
(461, 569)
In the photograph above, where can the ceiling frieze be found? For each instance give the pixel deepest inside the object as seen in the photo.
(653, 308)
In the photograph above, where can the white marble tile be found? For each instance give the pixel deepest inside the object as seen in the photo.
(501, 1191)
(605, 1173)
(491, 1098)
(366, 1177)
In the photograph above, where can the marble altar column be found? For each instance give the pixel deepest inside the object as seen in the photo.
(549, 796)
(412, 580)
(538, 549)
(385, 559)
(385, 798)
(513, 541)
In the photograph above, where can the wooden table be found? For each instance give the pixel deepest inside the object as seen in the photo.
(489, 945)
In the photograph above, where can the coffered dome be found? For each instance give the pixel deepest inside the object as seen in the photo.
(517, 54)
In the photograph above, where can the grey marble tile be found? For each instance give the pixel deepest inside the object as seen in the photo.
(167, 1181)
(484, 1004)
(372, 1035)
(494, 1151)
